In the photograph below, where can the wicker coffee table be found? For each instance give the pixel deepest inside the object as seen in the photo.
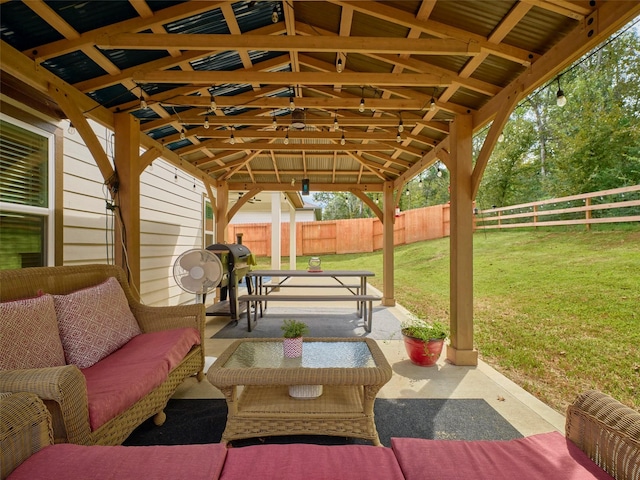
(254, 376)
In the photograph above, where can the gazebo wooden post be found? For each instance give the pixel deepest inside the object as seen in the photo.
(222, 203)
(127, 166)
(388, 293)
(461, 351)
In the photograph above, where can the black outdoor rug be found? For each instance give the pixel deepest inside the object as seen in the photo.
(203, 420)
(322, 321)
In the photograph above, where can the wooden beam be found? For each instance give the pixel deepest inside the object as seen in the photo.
(370, 203)
(318, 187)
(88, 135)
(288, 78)
(285, 43)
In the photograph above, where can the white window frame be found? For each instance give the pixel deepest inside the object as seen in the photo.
(46, 212)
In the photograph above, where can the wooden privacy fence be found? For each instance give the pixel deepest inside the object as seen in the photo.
(345, 236)
(607, 206)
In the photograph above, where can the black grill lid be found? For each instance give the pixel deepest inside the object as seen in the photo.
(237, 251)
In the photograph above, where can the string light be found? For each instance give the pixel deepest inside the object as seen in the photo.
(206, 123)
(501, 137)
(274, 15)
(339, 66)
(398, 137)
(232, 139)
(143, 102)
(274, 123)
(342, 140)
(182, 134)
(71, 130)
(400, 126)
(286, 138)
(335, 122)
(213, 105)
(292, 104)
(361, 109)
(561, 100)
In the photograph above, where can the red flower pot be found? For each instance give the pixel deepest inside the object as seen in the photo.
(422, 353)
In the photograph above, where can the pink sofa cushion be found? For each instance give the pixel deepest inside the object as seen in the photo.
(76, 462)
(128, 374)
(94, 322)
(544, 456)
(311, 462)
(29, 336)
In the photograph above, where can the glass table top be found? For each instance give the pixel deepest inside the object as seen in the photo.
(314, 355)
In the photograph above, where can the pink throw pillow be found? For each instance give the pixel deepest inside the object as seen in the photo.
(29, 335)
(94, 322)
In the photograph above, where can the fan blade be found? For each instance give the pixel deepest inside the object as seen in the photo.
(190, 260)
(213, 272)
(191, 284)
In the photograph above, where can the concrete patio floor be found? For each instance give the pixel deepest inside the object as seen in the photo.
(522, 410)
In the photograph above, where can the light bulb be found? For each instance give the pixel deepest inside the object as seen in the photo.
(342, 140)
(286, 139)
(274, 123)
(182, 134)
(232, 140)
(398, 137)
(501, 137)
(400, 127)
(274, 15)
(361, 108)
(439, 174)
(406, 192)
(71, 129)
(293, 182)
(143, 103)
(292, 104)
(335, 123)
(339, 66)
(561, 100)
(214, 105)
(206, 123)
(432, 105)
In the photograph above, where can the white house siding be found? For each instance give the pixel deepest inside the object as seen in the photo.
(170, 218)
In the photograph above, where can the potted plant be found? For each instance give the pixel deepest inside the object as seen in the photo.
(423, 341)
(292, 331)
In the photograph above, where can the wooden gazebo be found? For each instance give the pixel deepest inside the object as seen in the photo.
(355, 96)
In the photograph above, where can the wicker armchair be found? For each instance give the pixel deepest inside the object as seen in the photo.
(608, 432)
(63, 389)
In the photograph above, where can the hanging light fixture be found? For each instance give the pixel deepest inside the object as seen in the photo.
(292, 104)
(286, 138)
(274, 15)
(361, 108)
(274, 123)
(143, 103)
(339, 65)
(206, 123)
(400, 126)
(335, 122)
(342, 140)
(561, 100)
(398, 137)
(212, 103)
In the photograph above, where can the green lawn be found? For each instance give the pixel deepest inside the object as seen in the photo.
(556, 312)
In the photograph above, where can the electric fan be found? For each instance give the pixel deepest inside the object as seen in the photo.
(198, 271)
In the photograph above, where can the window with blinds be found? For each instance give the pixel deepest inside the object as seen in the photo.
(24, 196)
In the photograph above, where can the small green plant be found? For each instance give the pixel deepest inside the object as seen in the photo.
(424, 330)
(293, 328)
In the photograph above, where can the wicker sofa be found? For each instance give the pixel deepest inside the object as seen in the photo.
(600, 431)
(66, 389)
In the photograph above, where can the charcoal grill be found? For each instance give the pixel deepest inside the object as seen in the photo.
(235, 262)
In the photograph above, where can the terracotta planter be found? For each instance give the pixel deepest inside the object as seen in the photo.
(422, 353)
(292, 347)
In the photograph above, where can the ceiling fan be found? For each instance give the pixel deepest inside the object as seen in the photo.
(252, 200)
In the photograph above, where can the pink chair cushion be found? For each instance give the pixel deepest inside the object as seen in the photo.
(544, 456)
(128, 374)
(29, 336)
(76, 462)
(94, 322)
(311, 462)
